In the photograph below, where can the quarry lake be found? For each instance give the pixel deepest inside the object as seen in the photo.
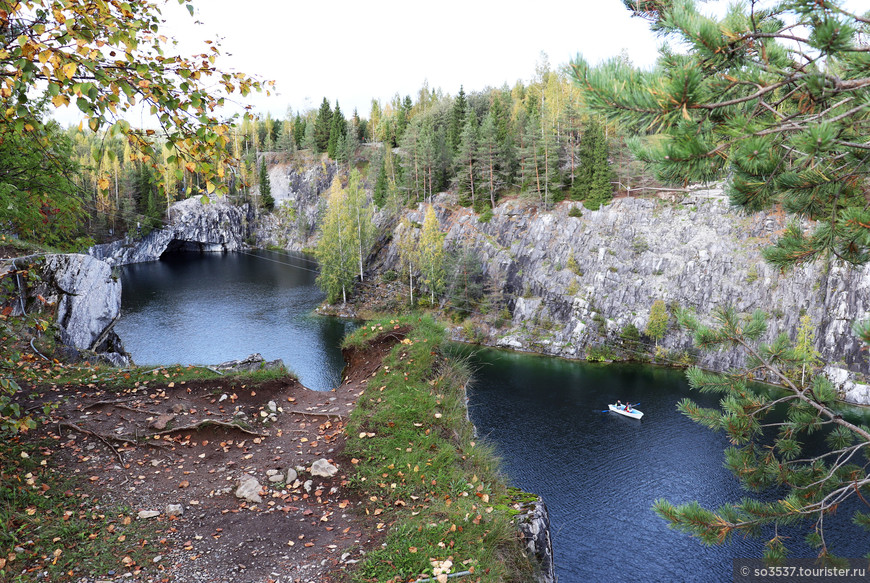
(598, 473)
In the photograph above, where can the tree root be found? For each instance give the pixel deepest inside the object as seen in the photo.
(207, 422)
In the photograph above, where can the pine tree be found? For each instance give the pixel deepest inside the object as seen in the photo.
(457, 121)
(322, 127)
(379, 195)
(592, 180)
(299, 130)
(467, 163)
(266, 198)
(495, 166)
(781, 111)
(337, 131)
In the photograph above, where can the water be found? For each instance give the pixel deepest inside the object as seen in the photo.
(600, 473)
(210, 308)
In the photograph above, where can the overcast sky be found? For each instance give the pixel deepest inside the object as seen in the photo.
(354, 51)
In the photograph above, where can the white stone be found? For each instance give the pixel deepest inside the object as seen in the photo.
(145, 514)
(323, 469)
(249, 489)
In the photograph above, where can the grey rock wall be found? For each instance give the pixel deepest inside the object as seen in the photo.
(573, 283)
(89, 304)
(214, 226)
(299, 204)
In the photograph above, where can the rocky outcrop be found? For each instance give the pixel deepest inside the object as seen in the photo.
(251, 363)
(297, 188)
(88, 302)
(533, 523)
(572, 284)
(194, 225)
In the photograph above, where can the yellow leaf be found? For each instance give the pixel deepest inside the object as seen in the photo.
(59, 100)
(69, 70)
(103, 183)
(191, 167)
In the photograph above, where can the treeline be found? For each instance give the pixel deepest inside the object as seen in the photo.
(534, 139)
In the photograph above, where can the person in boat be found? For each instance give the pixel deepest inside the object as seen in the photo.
(628, 407)
(619, 404)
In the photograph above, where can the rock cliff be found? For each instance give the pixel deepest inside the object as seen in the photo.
(297, 189)
(88, 302)
(572, 284)
(214, 226)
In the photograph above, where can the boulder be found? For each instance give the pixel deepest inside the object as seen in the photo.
(89, 304)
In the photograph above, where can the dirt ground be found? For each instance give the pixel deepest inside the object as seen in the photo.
(304, 529)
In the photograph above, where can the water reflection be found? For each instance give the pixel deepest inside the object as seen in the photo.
(206, 309)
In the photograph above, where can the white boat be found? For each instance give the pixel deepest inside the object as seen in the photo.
(633, 413)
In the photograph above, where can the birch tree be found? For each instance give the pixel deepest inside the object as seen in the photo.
(430, 253)
(336, 250)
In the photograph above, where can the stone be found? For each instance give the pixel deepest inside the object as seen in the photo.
(145, 514)
(272, 406)
(534, 525)
(174, 510)
(162, 420)
(323, 469)
(291, 476)
(89, 304)
(276, 478)
(250, 363)
(249, 489)
(308, 485)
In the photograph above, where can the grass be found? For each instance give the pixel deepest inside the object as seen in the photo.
(421, 473)
(53, 526)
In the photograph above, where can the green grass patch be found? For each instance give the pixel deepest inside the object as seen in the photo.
(420, 470)
(51, 524)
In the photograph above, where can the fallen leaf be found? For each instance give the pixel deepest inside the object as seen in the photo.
(183, 484)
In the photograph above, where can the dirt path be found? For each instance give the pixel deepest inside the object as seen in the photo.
(304, 528)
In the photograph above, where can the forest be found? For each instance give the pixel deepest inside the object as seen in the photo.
(537, 140)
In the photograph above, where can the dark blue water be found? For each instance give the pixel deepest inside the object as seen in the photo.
(210, 308)
(600, 473)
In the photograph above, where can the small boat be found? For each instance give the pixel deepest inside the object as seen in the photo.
(621, 409)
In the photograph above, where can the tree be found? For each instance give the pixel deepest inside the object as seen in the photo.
(658, 321)
(592, 182)
(430, 253)
(467, 163)
(362, 215)
(322, 126)
(457, 121)
(106, 58)
(776, 97)
(266, 198)
(337, 131)
(409, 252)
(38, 205)
(779, 99)
(336, 249)
(815, 484)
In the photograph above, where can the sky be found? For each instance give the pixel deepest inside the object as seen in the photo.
(353, 51)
